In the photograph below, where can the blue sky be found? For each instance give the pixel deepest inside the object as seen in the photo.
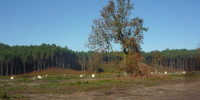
(173, 24)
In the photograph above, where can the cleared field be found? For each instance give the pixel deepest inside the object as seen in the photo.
(103, 86)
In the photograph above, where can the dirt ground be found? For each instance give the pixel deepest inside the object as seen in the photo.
(172, 87)
(176, 90)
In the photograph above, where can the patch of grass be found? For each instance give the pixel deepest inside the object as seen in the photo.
(119, 75)
(148, 84)
(4, 77)
(25, 80)
(77, 82)
(85, 82)
(2, 82)
(51, 85)
(176, 75)
(16, 88)
(61, 77)
(3, 96)
(94, 85)
(133, 82)
(25, 76)
(79, 85)
(19, 97)
(156, 79)
(191, 75)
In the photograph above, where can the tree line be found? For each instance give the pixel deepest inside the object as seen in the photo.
(182, 59)
(24, 59)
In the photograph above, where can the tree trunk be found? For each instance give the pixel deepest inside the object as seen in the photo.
(15, 70)
(56, 61)
(63, 65)
(12, 68)
(81, 67)
(52, 60)
(60, 62)
(41, 65)
(38, 65)
(34, 66)
(2, 68)
(48, 62)
(7, 69)
(24, 67)
(44, 64)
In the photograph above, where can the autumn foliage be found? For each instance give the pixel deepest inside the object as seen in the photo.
(135, 67)
(116, 27)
